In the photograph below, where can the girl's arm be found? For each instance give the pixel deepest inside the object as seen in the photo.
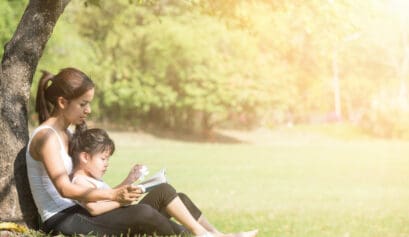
(101, 207)
(48, 152)
(96, 208)
(133, 176)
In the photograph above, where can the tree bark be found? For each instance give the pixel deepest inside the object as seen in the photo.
(19, 62)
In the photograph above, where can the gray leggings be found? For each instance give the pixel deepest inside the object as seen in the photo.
(149, 217)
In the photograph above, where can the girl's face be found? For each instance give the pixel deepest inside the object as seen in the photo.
(97, 164)
(78, 109)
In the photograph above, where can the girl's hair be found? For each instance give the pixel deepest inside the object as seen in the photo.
(69, 83)
(91, 141)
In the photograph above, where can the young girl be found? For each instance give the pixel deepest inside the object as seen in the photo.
(91, 151)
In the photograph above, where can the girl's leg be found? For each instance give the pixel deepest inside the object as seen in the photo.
(209, 227)
(165, 199)
(178, 210)
(197, 214)
(162, 195)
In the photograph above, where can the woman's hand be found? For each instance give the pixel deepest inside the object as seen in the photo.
(127, 194)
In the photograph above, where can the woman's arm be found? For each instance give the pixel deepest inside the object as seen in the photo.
(96, 208)
(47, 150)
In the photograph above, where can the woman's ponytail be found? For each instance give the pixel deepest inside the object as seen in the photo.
(43, 107)
(74, 146)
(81, 128)
(76, 142)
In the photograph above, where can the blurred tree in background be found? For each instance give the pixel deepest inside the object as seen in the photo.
(196, 65)
(10, 12)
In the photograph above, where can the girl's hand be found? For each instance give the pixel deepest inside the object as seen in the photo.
(127, 194)
(134, 174)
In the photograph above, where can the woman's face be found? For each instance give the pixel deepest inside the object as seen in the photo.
(78, 109)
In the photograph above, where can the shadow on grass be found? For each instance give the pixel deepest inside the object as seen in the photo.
(208, 137)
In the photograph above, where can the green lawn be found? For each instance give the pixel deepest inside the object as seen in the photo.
(288, 188)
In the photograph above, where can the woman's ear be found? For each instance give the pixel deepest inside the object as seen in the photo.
(84, 157)
(62, 102)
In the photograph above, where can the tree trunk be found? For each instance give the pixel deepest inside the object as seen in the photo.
(336, 84)
(20, 59)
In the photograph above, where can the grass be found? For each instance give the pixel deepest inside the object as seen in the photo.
(303, 187)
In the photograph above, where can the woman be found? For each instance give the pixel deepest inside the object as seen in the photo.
(64, 100)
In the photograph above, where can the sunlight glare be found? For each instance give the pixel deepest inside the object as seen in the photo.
(400, 6)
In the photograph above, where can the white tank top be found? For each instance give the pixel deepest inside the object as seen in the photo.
(47, 199)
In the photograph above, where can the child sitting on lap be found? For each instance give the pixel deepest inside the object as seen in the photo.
(91, 151)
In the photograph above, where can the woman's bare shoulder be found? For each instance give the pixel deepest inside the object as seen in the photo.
(43, 135)
(40, 140)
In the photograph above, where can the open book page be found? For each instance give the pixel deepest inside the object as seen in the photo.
(155, 180)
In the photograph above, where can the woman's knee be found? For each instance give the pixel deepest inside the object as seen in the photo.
(183, 196)
(185, 199)
(166, 188)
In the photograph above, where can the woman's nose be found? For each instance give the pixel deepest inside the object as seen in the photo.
(87, 109)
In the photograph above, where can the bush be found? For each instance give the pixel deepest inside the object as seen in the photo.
(386, 120)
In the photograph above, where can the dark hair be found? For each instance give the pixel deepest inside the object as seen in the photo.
(69, 83)
(91, 141)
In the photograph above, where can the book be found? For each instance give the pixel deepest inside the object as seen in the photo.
(155, 180)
